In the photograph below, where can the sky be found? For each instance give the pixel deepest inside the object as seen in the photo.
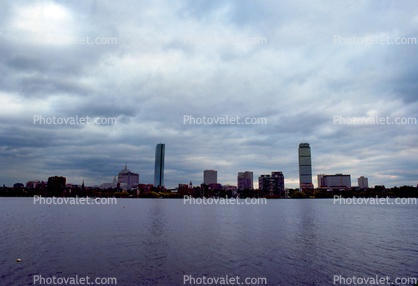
(303, 67)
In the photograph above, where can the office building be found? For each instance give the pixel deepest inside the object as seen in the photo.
(33, 184)
(305, 165)
(230, 188)
(337, 181)
(111, 185)
(144, 188)
(215, 186)
(56, 185)
(245, 180)
(128, 179)
(230, 191)
(210, 177)
(159, 165)
(272, 185)
(363, 182)
(305, 187)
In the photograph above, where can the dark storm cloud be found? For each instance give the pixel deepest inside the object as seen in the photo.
(17, 137)
(299, 80)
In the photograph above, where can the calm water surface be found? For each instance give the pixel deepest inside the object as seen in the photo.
(158, 241)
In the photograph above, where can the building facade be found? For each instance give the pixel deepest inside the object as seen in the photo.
(363, 182)
(272, 185)
(305, 165)
(112, 185)
(127, 179)
(159, 165)
(245, 180)
(56, 185)
(337, 181)
(33, 184)
(210, 177)
(215, 186)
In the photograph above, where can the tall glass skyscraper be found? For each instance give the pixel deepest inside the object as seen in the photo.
(159, 165)
(305, 164)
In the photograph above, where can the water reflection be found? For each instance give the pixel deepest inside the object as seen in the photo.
(156, 242)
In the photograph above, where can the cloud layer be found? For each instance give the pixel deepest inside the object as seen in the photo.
(153, 76)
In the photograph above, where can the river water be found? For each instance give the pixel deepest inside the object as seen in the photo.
(164, 241)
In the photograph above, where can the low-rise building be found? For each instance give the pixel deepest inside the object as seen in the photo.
(337, 181)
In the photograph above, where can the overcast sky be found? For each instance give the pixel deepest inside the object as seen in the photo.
(151, 75)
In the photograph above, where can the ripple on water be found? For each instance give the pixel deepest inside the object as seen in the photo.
(156, 242)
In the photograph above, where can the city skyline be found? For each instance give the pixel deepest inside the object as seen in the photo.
(289, 182)
(128, 179)
(125, 176)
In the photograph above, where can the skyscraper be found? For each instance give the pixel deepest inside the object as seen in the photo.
(245, 180)
(210, 177)
(305, 165)
(159, 165)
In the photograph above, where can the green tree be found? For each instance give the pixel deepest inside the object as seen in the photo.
(308, 193)
(298, 195)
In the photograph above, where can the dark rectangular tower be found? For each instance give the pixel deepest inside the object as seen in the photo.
(305, 164)
(159, 165)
